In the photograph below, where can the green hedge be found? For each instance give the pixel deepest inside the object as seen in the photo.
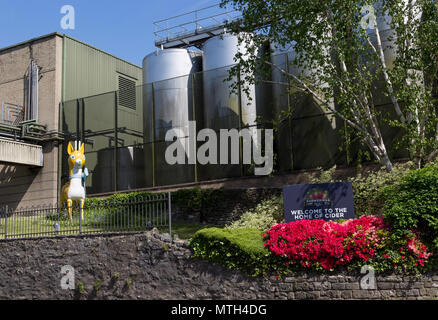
(194, 199)
(413, 203)
(234, 248)
(118, 198)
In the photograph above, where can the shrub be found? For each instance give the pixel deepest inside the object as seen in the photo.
(323, 177)
(370, 190)
(267, 213)
(312, 244)
(196, 198)
(117, 199)
(323, 245)
(413, 204)
(234, 248)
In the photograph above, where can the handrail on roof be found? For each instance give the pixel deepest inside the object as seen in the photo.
(194, 18)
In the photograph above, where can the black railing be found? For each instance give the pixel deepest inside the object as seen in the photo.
(98, 217)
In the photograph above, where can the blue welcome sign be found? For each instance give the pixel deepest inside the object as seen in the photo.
(327, 201)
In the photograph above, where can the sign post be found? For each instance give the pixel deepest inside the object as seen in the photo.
(327, 201)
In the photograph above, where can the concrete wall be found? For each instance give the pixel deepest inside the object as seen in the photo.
(21, 185)
(148, 266)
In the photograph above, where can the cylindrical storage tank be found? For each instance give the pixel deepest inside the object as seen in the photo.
(168, 104)
(223, 108)
(281, 103)
(130, 168)
(306, 135)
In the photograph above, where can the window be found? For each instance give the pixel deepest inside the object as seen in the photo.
(127, 96)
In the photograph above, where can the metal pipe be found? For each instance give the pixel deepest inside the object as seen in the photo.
(115, 140)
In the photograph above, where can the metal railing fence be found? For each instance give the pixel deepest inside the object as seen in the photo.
(194, 22)
(99, 217)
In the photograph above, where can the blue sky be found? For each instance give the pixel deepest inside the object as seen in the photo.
(123, 28)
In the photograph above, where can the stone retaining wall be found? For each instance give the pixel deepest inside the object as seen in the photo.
(149, 266)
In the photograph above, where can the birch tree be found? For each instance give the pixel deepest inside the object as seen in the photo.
(347, 45)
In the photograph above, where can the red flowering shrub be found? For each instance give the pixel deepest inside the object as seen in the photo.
(328, 244)
(412, 253)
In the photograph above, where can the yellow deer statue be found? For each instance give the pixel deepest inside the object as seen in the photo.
(74, 189)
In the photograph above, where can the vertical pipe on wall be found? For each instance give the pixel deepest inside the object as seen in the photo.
(60, 148)
(78, 105)
(60, 123)
(82, 137)
(116, 136)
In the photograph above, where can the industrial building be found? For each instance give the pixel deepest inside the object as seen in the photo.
(36, 76)
(55, 89)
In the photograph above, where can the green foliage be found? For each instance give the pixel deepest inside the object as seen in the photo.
(234, 248)
(413, 204)
(195, 199)
(369, 189)
(183, 230)
(345, 64)
(324, 176)
(128, 282)
(97, 285)
(118, 199)
(408, 200)
(81, 288)
(267, 213)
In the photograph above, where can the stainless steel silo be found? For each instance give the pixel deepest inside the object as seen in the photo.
(168, 103)
(129, 170)
(223, 108)
(306, 136)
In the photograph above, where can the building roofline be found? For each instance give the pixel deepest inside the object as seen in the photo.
(30, 40)
(103, 51)
(53, 34)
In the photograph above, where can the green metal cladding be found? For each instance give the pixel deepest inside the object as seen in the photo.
(89, 71)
